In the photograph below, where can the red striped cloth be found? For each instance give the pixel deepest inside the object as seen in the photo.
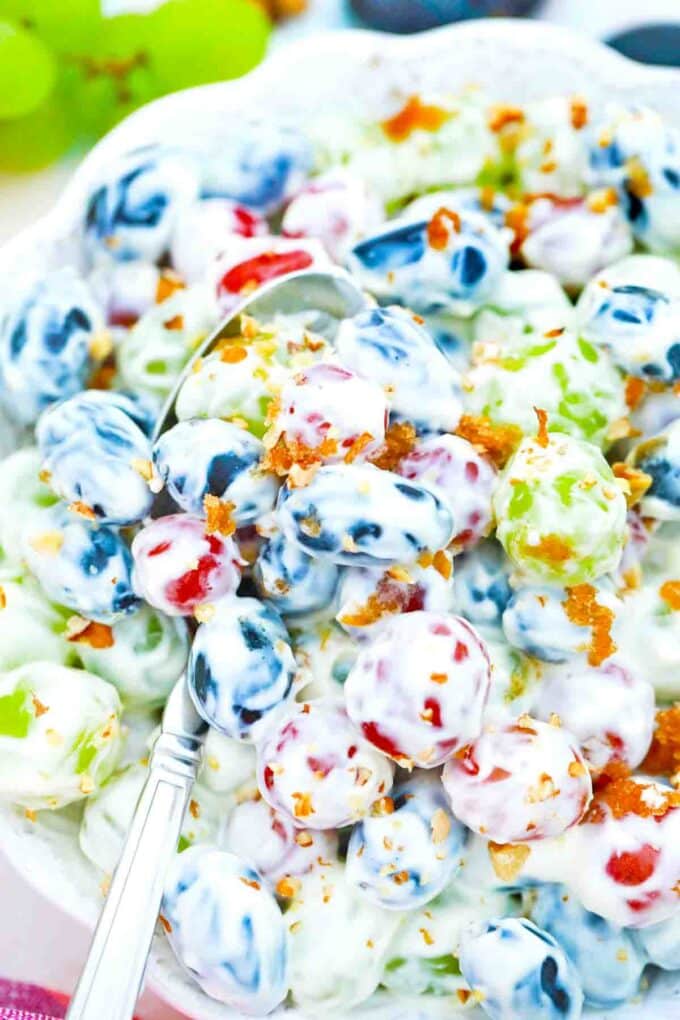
(20, 1001)
(20, 1014)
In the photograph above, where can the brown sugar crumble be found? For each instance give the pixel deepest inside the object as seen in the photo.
(503, 114)
(175, 323)
(602, 199)
(103, 376)
(495, 441)
(219, 516)
(637, 180)
(303, 805)
(414, 116)
(616, 790)
(508, 859)
(391, 596)
(357, 447)
(288, 887)
(669, 592)
(542, 437)
(382, 806)
(440, 227)
(582, 608)
(440, 826)
(663, 757)
(89, 632)
(635, 391)
(578, 110)
(636, 482)
(83, 510)
(400, 439)
(233, 353)
(441, 562)
(551, 548)
(286, 454)
(168, 284)
(517, 219)
(252, 883)
(38, 707)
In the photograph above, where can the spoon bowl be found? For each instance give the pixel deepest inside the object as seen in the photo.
(332, 293)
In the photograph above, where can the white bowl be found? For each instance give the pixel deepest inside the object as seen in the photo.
(363, 71)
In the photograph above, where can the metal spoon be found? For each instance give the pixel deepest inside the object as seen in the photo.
(112, 978)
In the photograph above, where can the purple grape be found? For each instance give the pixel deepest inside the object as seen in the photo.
(417, 15)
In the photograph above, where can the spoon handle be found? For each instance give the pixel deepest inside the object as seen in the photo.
(112, 978)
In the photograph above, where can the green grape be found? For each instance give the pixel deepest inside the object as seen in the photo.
(27, 71)
(14, 10)
(67, 26)
(199, 41)
(32, 142)
(501, 174)
(108, 66)
(112, 79)
(88, 102)
(96, 104)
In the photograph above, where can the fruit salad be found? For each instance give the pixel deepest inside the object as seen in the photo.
(422, 567)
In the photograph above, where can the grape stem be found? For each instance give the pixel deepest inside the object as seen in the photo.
(116, 68)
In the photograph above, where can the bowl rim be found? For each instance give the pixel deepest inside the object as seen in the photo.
(361, 43)
(603, 64)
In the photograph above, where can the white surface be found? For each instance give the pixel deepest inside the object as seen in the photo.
(40, 943)
(24, 198)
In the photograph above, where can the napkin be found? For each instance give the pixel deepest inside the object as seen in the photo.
(20, 1001)
(20, 1014)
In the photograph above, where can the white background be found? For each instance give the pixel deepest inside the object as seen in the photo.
(37, 943)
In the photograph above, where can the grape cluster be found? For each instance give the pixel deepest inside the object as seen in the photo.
(68, 73)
